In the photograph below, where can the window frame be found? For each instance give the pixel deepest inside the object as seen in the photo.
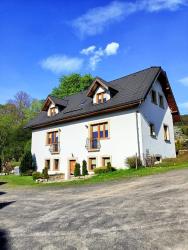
(154, 97)
(103, 160)
(161, 97)
(89, 163)
(54, 160)
(103, 99)
(53, 111)
(104, 137)
(45, 164)
(152, 129)
(47, 137)
(166, 132)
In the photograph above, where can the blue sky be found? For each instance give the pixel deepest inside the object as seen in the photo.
(40, 40)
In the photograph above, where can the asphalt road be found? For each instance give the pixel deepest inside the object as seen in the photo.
(142, 213)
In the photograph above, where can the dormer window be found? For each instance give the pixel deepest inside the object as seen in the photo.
(101, 98)
(53, 111)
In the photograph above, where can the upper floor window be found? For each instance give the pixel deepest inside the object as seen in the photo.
(161, 101)
(152, 130)
(52, 137)
(154, 96)
(52, 111)
(99, 131)
(166, 133)
(101, 97)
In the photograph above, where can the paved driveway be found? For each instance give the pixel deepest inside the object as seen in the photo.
(144, 213)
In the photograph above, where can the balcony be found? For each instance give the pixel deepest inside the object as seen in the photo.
(93, 144)
(55, 148)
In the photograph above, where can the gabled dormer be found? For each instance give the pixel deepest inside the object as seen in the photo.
(100, 92)
(53, 105)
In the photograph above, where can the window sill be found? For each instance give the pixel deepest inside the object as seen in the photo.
(93, 150)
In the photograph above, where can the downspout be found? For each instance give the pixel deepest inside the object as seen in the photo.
(138, 132)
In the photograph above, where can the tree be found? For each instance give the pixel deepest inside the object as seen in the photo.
(26, 163)
(84, 168)
(77, 170)
(72, 84)
(1, 167)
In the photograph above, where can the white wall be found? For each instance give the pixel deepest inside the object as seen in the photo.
(122, 141)
(151, 113)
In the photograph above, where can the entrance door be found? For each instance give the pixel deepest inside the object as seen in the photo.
(72, 166)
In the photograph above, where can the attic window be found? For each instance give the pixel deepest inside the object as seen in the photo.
(52, 111)
(101, 98)
(154, 97)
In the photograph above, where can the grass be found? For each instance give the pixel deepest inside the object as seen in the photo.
(26, 181)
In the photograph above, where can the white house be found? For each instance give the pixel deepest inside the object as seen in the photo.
(108, 122)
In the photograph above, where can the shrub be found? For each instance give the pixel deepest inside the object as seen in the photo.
(179, 146)
(77, 170)
(37, 175)
(133, 161)
(84, 168)
(45, 173)
(110, 168)
(101, 170)
(185, 130)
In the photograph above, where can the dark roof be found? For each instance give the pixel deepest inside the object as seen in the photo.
(131, 89)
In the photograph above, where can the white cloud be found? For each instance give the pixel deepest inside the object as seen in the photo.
(111, 48)
(184, 81)
(96, 55)
(62, 63)
(157, 5)
(97, 19)
(88, 50)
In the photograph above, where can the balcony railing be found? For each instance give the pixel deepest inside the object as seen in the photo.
(54, 148)
(93, 144)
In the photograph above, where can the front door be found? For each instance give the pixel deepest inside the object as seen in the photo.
(72, 166)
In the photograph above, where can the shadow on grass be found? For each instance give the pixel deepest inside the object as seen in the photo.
(4, 243)
(4, 204)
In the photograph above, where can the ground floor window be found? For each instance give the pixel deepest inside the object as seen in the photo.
(47, 164)
(92, 163)
(105, 161)
(56, 164)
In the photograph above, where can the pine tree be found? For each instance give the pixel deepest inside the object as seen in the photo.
(26, 163)
(77, 170)
(84, 168)
(1, 167)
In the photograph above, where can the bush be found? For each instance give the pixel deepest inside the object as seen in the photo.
(103, 170)
(84, 168)
(45, 173)
(37, 175)
(77, 170)
(179, 146)
(15, 163)
(110, 168)
(185, 130)
(133, 161)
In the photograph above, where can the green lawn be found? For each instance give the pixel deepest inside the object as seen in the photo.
(26, 181)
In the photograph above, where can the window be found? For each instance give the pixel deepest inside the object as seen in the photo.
(56, 164)
(152, 130)
(105, 161)
(92, 163)
(99, 131)
(166, 133)
(161, 101)
(52, 111)
(154, 97)
(47, 164)
(52, 137)
(101, 98)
